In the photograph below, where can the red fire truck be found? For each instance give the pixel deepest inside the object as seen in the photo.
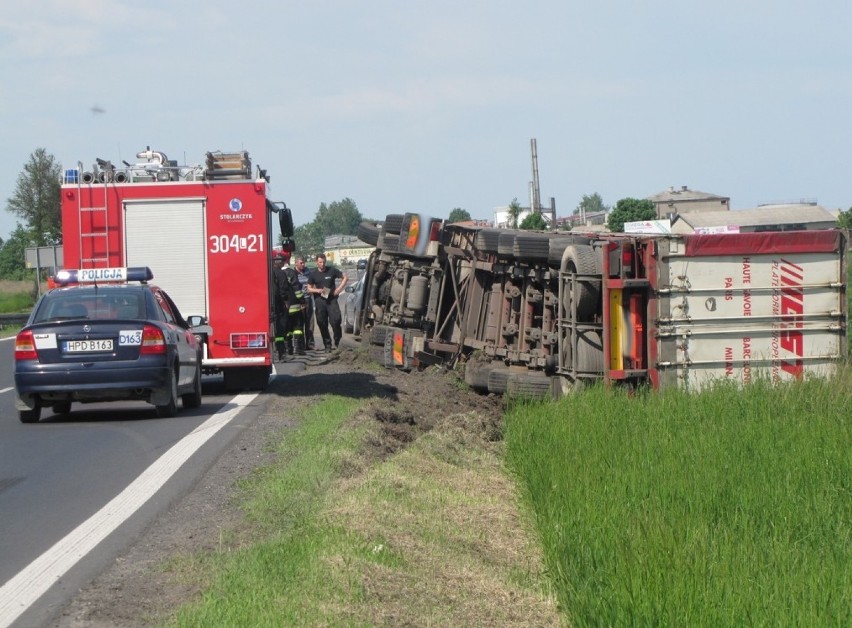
(206, 233)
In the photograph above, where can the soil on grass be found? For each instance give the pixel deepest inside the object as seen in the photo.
(138, 591)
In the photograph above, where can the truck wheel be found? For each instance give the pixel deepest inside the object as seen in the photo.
(528, 385)
(393, 223)
(497, 379)
(506, 243)
(590, 357)
(531, 246)
(169, 409)
(581, 260)
(30, 416)
(487, 240)
(193, 399)
(368, 232)
(556, 247)
(476, 375)
(389, 242)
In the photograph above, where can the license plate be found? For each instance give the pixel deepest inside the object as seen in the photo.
(86, 346)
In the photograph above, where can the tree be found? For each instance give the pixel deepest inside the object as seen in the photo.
(629, 210)
(513, 212)
(844, 219)
(534, 222)
(591, 204)
(36, 199)
(12, 255)
(459, 215)
(338, 217)
(309, 240)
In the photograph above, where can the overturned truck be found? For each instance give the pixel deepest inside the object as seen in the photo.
(543, 313)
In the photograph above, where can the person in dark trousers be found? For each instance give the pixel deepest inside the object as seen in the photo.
(303, 272)
(289, 299)
(322, 283)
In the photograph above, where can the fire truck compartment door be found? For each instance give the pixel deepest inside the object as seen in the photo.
(169, 236)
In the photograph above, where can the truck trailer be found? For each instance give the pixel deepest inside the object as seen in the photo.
(206, 233)
(544, 313)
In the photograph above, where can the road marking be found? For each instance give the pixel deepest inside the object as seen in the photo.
(2, 390)
(19, 593)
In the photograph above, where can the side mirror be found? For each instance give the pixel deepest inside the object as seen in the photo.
(285, 220)
(196, 321)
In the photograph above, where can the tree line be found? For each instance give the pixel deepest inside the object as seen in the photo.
(36, 202)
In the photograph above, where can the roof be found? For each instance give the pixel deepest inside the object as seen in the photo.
(765, 215)
(683, 194)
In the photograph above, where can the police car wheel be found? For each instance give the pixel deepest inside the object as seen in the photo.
(30, 416)
(169, 409)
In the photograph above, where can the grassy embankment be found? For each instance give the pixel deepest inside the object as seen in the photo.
(727, 508)
(724, 509)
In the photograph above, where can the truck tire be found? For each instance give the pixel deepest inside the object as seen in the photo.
(529, 386)
(531, 246)
(476, 375)
(582, 260)
(590, 357)
(368, 232)
(506, 243)
(557, 245)
(497, 378)
(393, 223)
(487, 240)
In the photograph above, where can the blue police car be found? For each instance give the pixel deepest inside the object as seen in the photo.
(106, 334)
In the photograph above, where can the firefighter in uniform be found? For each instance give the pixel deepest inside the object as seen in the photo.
(289, 299)
(322, 283)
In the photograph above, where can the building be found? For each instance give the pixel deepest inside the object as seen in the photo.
(789, 217)
(346, 250)
(684, 201)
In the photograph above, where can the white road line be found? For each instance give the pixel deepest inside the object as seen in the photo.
(19, 593)
(2, 390)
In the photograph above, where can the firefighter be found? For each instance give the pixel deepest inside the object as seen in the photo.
(289, 300)
(322, 283)
(303, 273)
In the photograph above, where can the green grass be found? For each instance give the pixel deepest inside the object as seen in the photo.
(727, 508)
(15, 302)
(275, 580)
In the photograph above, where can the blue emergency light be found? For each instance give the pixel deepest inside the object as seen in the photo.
(102, 275)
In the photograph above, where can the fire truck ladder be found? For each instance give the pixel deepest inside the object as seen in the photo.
(94, 234)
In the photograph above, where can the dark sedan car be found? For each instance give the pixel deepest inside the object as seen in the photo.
(108, 337)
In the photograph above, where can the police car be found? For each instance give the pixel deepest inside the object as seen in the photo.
(106, 335)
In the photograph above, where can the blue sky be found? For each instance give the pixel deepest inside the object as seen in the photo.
(426, 106)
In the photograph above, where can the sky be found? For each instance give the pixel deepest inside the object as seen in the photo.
(428, 106)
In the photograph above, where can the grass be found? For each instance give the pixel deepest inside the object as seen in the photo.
(723, 509)
(427, 536)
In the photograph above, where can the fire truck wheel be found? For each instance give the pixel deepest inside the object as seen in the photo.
(193, 399)
(169, 409)
(583, 304)
(368, 232)
(393, 223)
(531, 246)
(30, 416)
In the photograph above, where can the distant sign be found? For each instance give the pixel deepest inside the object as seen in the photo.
(718, 229)
(648, 226)
(44, 256)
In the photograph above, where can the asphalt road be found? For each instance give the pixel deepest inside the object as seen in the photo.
(76, 490)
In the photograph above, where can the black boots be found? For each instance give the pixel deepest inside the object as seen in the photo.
(299, 343)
